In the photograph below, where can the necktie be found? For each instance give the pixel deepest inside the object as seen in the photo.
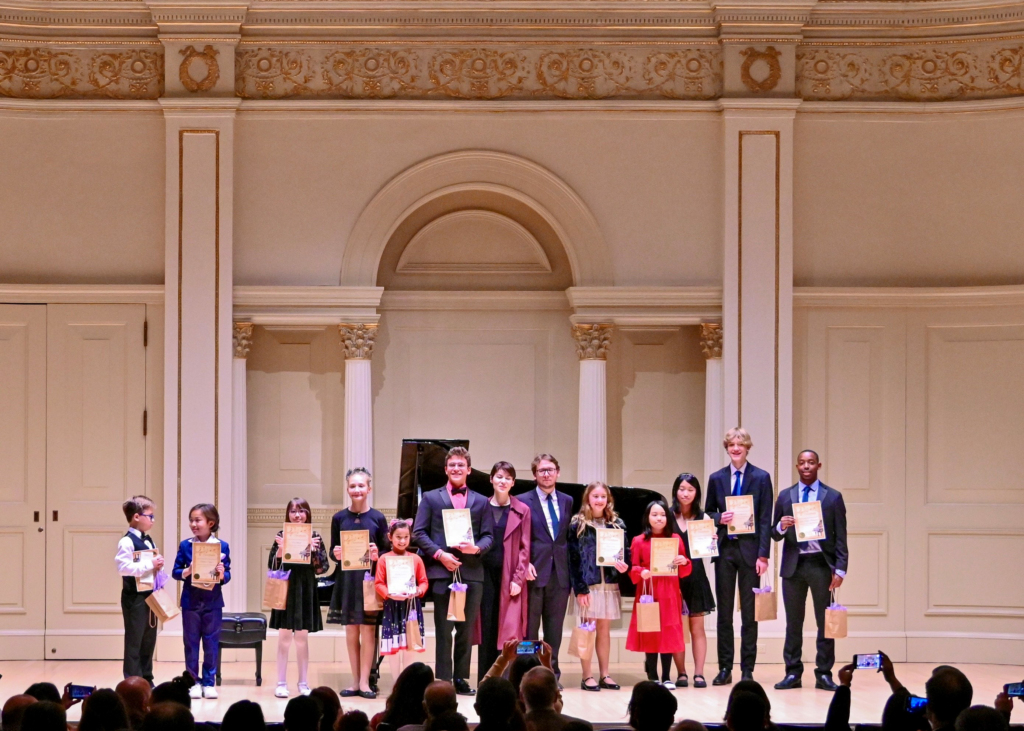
(807, 492)
(554, 516)
(737, 488)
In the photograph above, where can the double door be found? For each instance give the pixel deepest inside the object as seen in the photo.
(72, 450)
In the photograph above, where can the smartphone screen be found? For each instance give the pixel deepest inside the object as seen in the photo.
(528, 647)
(868, 662)
(916, 704)
(1014, 690)
(78, 692)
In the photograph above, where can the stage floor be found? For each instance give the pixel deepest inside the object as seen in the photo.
(804, 705)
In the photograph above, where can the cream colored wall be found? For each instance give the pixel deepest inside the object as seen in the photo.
(908, 199)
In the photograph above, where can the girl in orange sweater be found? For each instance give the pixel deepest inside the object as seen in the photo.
(400, 607)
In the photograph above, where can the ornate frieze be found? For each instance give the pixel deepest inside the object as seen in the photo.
(711, 340)
(242, 339)
(494, 72)
(357, 340)
(29, 72)
(592, 341)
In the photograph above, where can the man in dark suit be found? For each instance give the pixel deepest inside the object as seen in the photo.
(742, 558)
(442, 560)
(816, 565)
(548, 573)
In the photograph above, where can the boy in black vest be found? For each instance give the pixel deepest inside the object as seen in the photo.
(139, 630)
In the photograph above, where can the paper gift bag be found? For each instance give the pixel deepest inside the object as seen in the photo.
(765, 603)
(275, 591)
(457, 599)
(835, 620)
(413, 637)
(584, 635)
(163, 602)
(371, 599)
(648, 611)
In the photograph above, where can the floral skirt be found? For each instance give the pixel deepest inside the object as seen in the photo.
(392, 630)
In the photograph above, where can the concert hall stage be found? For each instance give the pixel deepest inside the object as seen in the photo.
(803, 706)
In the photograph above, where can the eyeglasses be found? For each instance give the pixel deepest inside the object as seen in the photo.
(151, 516)
(547, 471)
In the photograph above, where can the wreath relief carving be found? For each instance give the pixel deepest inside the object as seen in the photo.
(761, 70)
(192, 57)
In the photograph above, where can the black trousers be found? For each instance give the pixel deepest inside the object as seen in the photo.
(463, 630)
(490, 607)
(548, 604)
(139, 636)
(813, 573)
(731, 570)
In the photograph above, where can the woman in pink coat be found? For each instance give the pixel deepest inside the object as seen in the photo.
(503, 608)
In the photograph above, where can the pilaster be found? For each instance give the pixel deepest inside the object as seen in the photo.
(358, 340)
(592, 343)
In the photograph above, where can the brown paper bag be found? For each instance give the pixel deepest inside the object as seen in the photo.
(164, 603)
(765, 603)
(457, 598)
(584, 635)
(275, 593)
(413, 638)
(835, 620)
(648, 616)
(371, 599)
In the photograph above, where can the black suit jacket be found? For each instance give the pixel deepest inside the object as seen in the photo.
(758, 483)
(549, 556)
(428, 533)
(833, 511)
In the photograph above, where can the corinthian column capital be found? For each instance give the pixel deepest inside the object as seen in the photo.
(242, 337)
(711, 340)
(592, 341)
(358, 339)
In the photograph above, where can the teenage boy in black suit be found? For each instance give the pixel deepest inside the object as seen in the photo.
(742, 559)
(819, 566)
(441, 561)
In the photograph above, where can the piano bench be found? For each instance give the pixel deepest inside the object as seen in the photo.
(243, 629)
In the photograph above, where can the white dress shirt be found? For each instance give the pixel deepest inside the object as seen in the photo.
(543, 496)
(812, 495)
(125, 557)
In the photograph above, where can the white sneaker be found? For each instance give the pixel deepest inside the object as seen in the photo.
(669, 684)
(304, 689)
(282, 690)
(196, 691)
(209, 691)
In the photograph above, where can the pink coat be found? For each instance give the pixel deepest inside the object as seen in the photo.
(514, 611)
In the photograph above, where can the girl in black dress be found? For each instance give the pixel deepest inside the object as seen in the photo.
(347, 599)
(301, 614)
(699, 601)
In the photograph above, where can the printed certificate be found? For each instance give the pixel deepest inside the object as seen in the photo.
(401, 572)
(611, 544)
(458, 526)
(297, 543)
(810, 525)
(205, 557)
(146, 582)
(355, 550)
(703, 538)
(663, 553)
(742, 508)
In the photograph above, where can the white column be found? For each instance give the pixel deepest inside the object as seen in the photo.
(235, 593)
(358, 340)
(592, 342)
(714, 423)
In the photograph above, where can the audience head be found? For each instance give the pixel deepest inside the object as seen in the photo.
(447, 721)
(14, 711)
(539, 689)
(302, 714)
(44, 692)
(103, 711)
(949, 692)
(652, 707)
(45, 716)
(747, 712)
(439, 698)
(244, 716)
(330, 704)
(169, 716)
(751, 686)
(174, 691)
(896, 718)
(497, 704)
(981, 718)
(352, 721)
(135, 692)
(520, 667)
(405, 704)
(689, 725)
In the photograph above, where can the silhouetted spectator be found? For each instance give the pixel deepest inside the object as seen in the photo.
(496, 705)
(45, 716)
(981, 718)
(103, 711)
(302, 714)
(135, 692)
(244, 716)
(330, 706)
(14, 711)
(44, 692)
(169, 716)
(352, 721)
(949, 693)
(405, 704)
(746, 712)
(652, 707)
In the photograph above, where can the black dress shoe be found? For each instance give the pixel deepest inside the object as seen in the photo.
(789, 682)
(825, 683)
(724, 677)
(746, 676)
(368, 694)
(348, 693)
(595, 688)
(609, 686)
(462, 687)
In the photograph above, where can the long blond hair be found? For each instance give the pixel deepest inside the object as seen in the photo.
(586, 516)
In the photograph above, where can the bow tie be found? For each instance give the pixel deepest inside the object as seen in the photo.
(146, 538)
(459, 490)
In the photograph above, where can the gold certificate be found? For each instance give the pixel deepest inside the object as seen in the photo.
(205, 557)
(810, 525)
(458, 526)
(742, 509)
(611, 544)
(401, 572)
(663, 553)
(703, 538)
(146, 582)
(355, 550)
(297, 543)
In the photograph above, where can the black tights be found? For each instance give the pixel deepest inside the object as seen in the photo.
(651, 665)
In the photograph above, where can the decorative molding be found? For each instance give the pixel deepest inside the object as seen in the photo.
(645, 306)
(259, 517)
(242, 335)
(473, 300)
(150, 294)
(888, 297)
(208, 58)
(711, 340)
(358, 339)
(769, 57)
(592, 341)
(306, 305)
(34, 72)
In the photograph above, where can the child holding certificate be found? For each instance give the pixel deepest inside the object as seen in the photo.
(139, 632)
(593, 532)
(204, 564)
(347, 605)
(698, 600)
(301, 614)
(668, 640)
(401, 581)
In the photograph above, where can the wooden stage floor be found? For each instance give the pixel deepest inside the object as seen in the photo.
(804, 705)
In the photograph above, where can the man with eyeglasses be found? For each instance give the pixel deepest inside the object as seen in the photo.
(548, 572)
(139, 632)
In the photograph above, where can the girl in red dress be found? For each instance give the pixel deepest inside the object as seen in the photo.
(668, 641)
